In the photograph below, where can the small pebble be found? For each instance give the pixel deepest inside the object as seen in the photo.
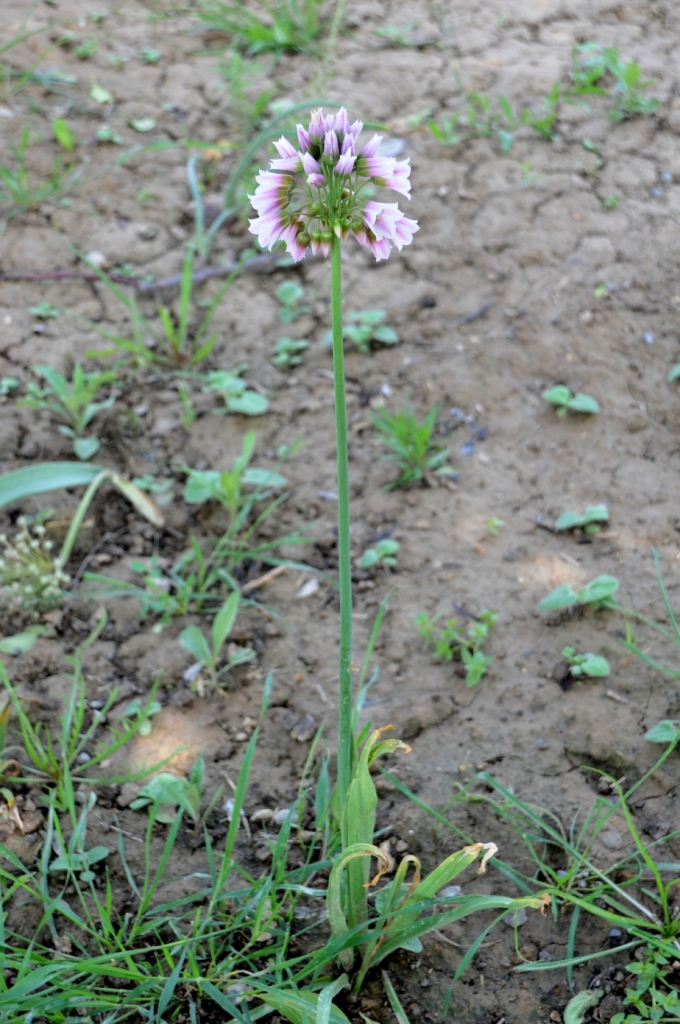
(467, 448)
(612, 840)
(656, 191)
(516, 918)
(542, 744)
(666, 176)
(449, 891)
(648, 338)
(615, 933)
(545, 956)
(83, 757)
(281, 816)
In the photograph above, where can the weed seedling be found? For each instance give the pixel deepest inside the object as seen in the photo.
(288, 25)
(456, 641)
(86, 49)
(597, 594)
(384, 553)
(590, 522)
(629, 90)
(138, 715)
(7, 385)
(45, 311)
(610, 202)
(564, 401)
(72, 401)
(365, 329)
(149, 55)
(180, 343)
(397, 34)
(585, 664)
(493, 526)
(208, 655)
(290, 294)
(17, 191)
(167, 794)
(235, 392)
(412, 445)
(288, 351)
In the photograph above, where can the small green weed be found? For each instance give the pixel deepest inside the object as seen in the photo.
(290, 295)
(413, 446)
(72, 401)
(182, 342)
(457, 641)
(45, 311)
(597, 594)
(288, 25)
(237, 396)
(18, 192)
(384, 553)
(168, 794)
(365, 329)
(590, 521)
(8, 385)
(288, 351)
(397, 34)
(149, 55)
(208, 654)
(565, 401)
(585, 664)
(493, 526)
(629, 90)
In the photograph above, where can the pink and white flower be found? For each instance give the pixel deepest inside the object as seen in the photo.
(309, 211)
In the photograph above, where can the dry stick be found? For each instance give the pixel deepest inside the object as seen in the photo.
(261, 580)
(264, 262)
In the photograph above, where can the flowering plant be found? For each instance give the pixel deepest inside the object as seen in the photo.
(309, 211)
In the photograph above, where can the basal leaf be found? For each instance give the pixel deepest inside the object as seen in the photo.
(560, 597)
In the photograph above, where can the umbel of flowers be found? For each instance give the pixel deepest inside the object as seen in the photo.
(315, 192)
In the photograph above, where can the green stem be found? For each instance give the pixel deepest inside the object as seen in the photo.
(345, 739)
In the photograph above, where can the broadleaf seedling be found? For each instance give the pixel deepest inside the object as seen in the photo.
(72, 401)
(590, 521)
(364, 329)
(384, 553)
(140, 715)
(565, 401)
(290, 294)
(597, 594)
(166, 794)
(208, 653)
(585, 664)
(237, 396)
(460, 641)
(493, 526)
(288, 351)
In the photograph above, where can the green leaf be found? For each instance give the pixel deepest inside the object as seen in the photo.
(100, 95)
(593, 514)
(201, 484)
(575, 1010)
(674, 373)
(223, 622)
(601, 589)
(593, 665)
(300, 1007)
(385, 335)
(583, 403)
(561, 597)
(250, 403)
(63, 134)
(86, 447)
(142, 124)
(665, 731)
(263, 478)
(369, 558)
(20, 642)
(193, 640)
(559, 395)
(168, 792)
(45, 476)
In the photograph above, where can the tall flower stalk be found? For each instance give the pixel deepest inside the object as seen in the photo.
(315, 196)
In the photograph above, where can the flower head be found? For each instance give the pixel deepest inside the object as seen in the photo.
(319, 192)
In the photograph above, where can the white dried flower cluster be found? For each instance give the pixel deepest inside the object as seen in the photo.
(30, 577)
